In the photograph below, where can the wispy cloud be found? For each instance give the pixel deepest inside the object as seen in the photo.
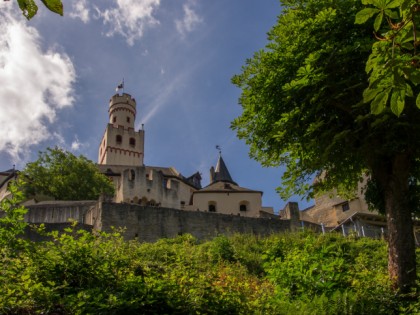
(35, 85)
(80, 10)
(130, 18)
(190, 20)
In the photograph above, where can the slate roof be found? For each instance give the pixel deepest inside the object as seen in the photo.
(221, 173)
(226, 187)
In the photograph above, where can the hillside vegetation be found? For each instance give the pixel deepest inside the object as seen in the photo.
(79, 272)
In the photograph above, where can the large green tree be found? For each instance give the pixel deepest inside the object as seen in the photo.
(303, 107)
(64, 176)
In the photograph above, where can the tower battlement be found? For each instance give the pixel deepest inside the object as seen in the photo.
(122, 99)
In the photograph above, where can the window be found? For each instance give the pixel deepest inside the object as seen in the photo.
(345, 206)
(242, 207)
(119, 139)
(128, 119)
(132, 175)
(114, 119)
(132, 142)
(212, 206)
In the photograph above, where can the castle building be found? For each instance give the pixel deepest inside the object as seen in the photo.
(223, 195)
(121, 158)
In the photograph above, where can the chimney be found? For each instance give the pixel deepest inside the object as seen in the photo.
(211, 175)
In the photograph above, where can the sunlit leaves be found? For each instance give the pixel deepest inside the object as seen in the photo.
(29, 7)
(55, 6)
(365, 14)
(392, 66)
(64, 176)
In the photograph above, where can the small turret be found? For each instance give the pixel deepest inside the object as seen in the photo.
(122, 110)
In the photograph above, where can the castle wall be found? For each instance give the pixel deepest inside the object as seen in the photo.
(128, 150)
(58, 211)
(150, 223)
(229, 202)
(142, 186)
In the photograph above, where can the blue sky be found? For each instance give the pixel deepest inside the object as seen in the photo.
(176, 57)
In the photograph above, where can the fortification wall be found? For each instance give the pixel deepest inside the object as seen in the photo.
(58, 211)
(150, 223)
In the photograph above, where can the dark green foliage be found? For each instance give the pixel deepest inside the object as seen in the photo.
(79, 272)
(64, 176)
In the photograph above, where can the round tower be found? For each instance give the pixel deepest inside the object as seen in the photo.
(121, 143)
(122, 110)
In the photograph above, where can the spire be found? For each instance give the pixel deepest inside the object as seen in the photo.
(221, 173)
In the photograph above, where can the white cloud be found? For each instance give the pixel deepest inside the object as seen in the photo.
(189, 22)
(80, 10)
(35, 85)
(130, 18)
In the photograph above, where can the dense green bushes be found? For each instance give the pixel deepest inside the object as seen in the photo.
(78, 272)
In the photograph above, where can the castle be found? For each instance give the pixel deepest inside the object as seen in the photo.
(153, 201)
(121, 158)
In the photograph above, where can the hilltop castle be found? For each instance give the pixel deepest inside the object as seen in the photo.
(121, 158)
(154, 201)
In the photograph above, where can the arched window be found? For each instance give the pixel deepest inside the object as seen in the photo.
(118, 139)
(243, 206)
(212, 206)
(132, 142)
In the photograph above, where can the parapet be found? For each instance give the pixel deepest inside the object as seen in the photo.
(122, 99)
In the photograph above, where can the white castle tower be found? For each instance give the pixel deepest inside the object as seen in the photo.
(121, 144)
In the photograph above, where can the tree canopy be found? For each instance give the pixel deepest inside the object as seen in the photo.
(304, 107)
(64, 176)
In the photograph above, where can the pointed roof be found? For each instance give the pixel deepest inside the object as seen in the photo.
(221, 173)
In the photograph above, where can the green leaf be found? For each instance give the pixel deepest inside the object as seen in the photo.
(55, 6)
(391, 14)
(28, 7)
(379, 103)
(363, 15)
(408, 90)
(378, 21)
(394, 4)
(369, 94)
(418, 100)
(397, 102)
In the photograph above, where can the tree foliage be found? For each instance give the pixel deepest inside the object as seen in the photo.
(64, 176)
(29, 7)
(304, 100)
(394, 64)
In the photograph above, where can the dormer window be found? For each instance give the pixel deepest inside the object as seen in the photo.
(118, 139)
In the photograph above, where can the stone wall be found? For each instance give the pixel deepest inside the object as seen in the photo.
(150, 223)
(58, 211)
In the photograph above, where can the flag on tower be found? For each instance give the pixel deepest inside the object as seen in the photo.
(120, 86)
